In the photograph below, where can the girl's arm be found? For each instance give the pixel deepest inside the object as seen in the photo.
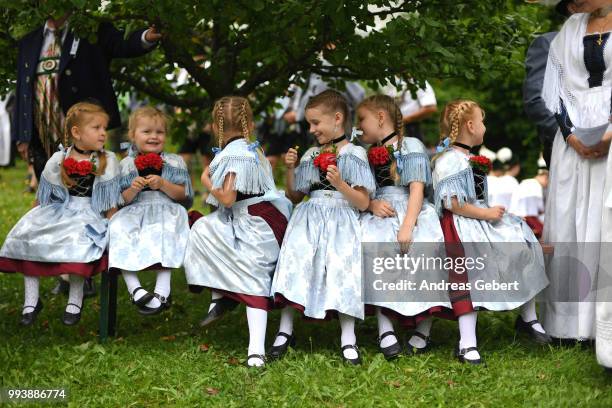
(111, 212)
(357, 196)
(472, 211)
(415, 203)
(132, 191)
(225, 195)
(175, 191)
(290, 161)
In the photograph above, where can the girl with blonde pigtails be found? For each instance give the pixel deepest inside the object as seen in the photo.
(234, 250)
(66, 233)
(510, 255)
(399, 213)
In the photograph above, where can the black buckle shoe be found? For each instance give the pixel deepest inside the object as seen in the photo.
(412, 350)
(62, 287)
(149, 311)
(259, 356)
(527, 328)
(142, 300)
(89, 288)
(28, 318)
(70, 319)
(278, 352)
(222, 306)
(393, 351)
(460, 353)
(353, 361)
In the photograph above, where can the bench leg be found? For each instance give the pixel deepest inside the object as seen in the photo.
(108, 305)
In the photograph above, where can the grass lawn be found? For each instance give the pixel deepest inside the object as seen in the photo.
(167, 360)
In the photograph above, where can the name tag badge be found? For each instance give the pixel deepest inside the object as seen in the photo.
(75, 46)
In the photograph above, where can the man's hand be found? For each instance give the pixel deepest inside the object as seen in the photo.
(22, 148)
(152, 34)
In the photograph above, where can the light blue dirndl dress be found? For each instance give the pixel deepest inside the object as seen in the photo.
(319, 266)
(153, 229)
(235, 249)
(65, 228)
(427, 239)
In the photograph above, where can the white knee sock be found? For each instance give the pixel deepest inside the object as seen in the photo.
(31, 285)
(75, 295)
(257, 319)
(286, 325)
(528, 313)
(467, 332)
(347, 327)
(424, 327)
(132, 282)
(162, 287)
(215, 296)
(385, 325)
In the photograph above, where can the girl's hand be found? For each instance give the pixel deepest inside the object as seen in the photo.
(495, 213)
(205, 179)
(138, 183)
(404, 238)
(381, 208)
(333, 176)
(291, 158)
(155, 182)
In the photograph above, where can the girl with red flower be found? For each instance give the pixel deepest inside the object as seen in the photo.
(402, 172)
(512, 252)
(150, 232)
(319, 266)
(67, 232)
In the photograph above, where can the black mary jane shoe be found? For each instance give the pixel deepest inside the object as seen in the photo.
(166, 302)
(412, 350)
(353, 361)
(70, 319)
(390, 352)
(460, 353)
(278, 352)
(144, 299)
(259, 356)
(222, 306)
(28, 318)
(527, 328)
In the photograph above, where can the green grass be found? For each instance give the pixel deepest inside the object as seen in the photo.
(161, 360)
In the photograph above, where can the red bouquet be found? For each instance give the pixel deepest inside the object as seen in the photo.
(149, 161)
(380, 155)
(78, 168)
(324, 160)
(481, 163)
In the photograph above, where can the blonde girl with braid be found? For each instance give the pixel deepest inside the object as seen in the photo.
(66, 233)
(150, 232)
(509, 253)
(400, 214)
(233, 251)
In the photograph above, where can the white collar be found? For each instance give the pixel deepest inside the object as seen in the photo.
(48, 30)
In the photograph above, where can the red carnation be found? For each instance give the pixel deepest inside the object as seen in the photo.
(379, 155)
(79, 168)
(324, 160)
(481, 163)
(151, 161)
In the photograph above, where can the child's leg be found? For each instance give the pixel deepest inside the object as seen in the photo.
(75, 295)
(528, 314)
(286, 325)
(347, 327)
(424, 327)
(31, 285)
(467, 332)
(214, 296)
(162, 287)
(385, 325)
(132, 282)
(257, 319)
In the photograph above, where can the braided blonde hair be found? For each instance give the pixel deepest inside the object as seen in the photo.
(233, 114)
(454, 115)
(385, 103)
(79, 115)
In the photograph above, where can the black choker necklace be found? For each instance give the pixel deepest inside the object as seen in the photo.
(233, 139)
(462, 145)
(386, 139)
(82, 151)
(338, 140)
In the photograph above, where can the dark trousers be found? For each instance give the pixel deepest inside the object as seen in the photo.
(37, 155)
